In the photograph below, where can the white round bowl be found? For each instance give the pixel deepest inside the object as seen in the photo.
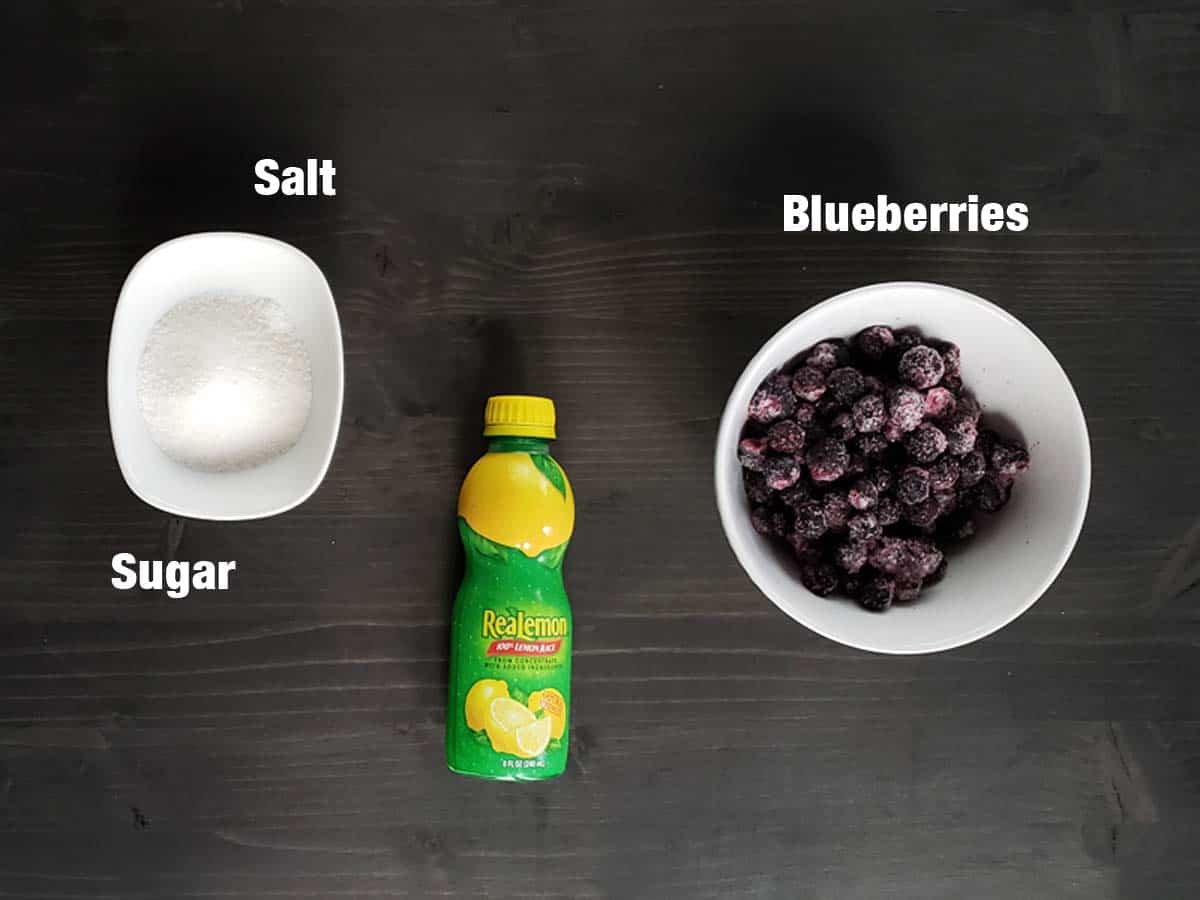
(1018, 551)
(235, 263)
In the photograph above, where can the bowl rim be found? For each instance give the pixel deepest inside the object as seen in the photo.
(119, 313)
(733, 418)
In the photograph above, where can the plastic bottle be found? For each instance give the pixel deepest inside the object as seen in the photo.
(510, 644)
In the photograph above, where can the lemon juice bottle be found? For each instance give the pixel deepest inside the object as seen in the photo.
(510, 644)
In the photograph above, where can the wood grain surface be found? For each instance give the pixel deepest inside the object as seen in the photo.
(584, 200)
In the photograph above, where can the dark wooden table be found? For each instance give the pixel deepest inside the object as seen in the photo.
(584, 199)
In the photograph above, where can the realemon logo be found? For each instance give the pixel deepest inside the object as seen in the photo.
(519, 625)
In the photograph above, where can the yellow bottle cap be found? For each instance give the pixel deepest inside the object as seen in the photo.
(519, 416)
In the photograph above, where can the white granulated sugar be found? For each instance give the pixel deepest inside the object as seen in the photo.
(224, 383)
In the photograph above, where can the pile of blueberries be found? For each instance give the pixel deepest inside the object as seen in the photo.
(868, 458)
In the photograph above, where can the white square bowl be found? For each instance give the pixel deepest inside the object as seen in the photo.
(1018, 552)
(226, 262)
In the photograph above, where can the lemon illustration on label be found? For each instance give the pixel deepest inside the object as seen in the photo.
(554, 705)
(518, 500)
(482, 693)
(505, 717)
(532, 739)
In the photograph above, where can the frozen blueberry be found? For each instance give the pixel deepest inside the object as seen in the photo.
(874, 342)
(884, 478)
(756, 487)
(951, 359)
(806, 551)
(752, 453)
(939, 402)
(925, 443)
(968, 406)
(1009, 458)
(922, 514)
(841, 426)
(944, 473)
(919, 559)
(871, 445)
(993, 492)
(863, 527)
(960, 433)
(852, 585)
(769, 521)
(827, 356)
(781, 472)
(805, 413)
(820, 578)
(922, 367)
(773, 400)
(985, 441)
(958, 526)
(786, 437)
(837, 510)
(906, 591)
(828, 406)
(870, 413)
(906, 339)
(926, 557)
(856, 464)
(863, 494)
(937, 574)
(972, 468)
(947, 501)
(782, 523)
(846, 383)
(810, 520)
(877, 593)
(906, 408)
(797, 493)
(913, 485)
(905, 556)
(808, 384)
(827, 459)
(851, 556)
(887, 511)
(888, 554)
(968, 497)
